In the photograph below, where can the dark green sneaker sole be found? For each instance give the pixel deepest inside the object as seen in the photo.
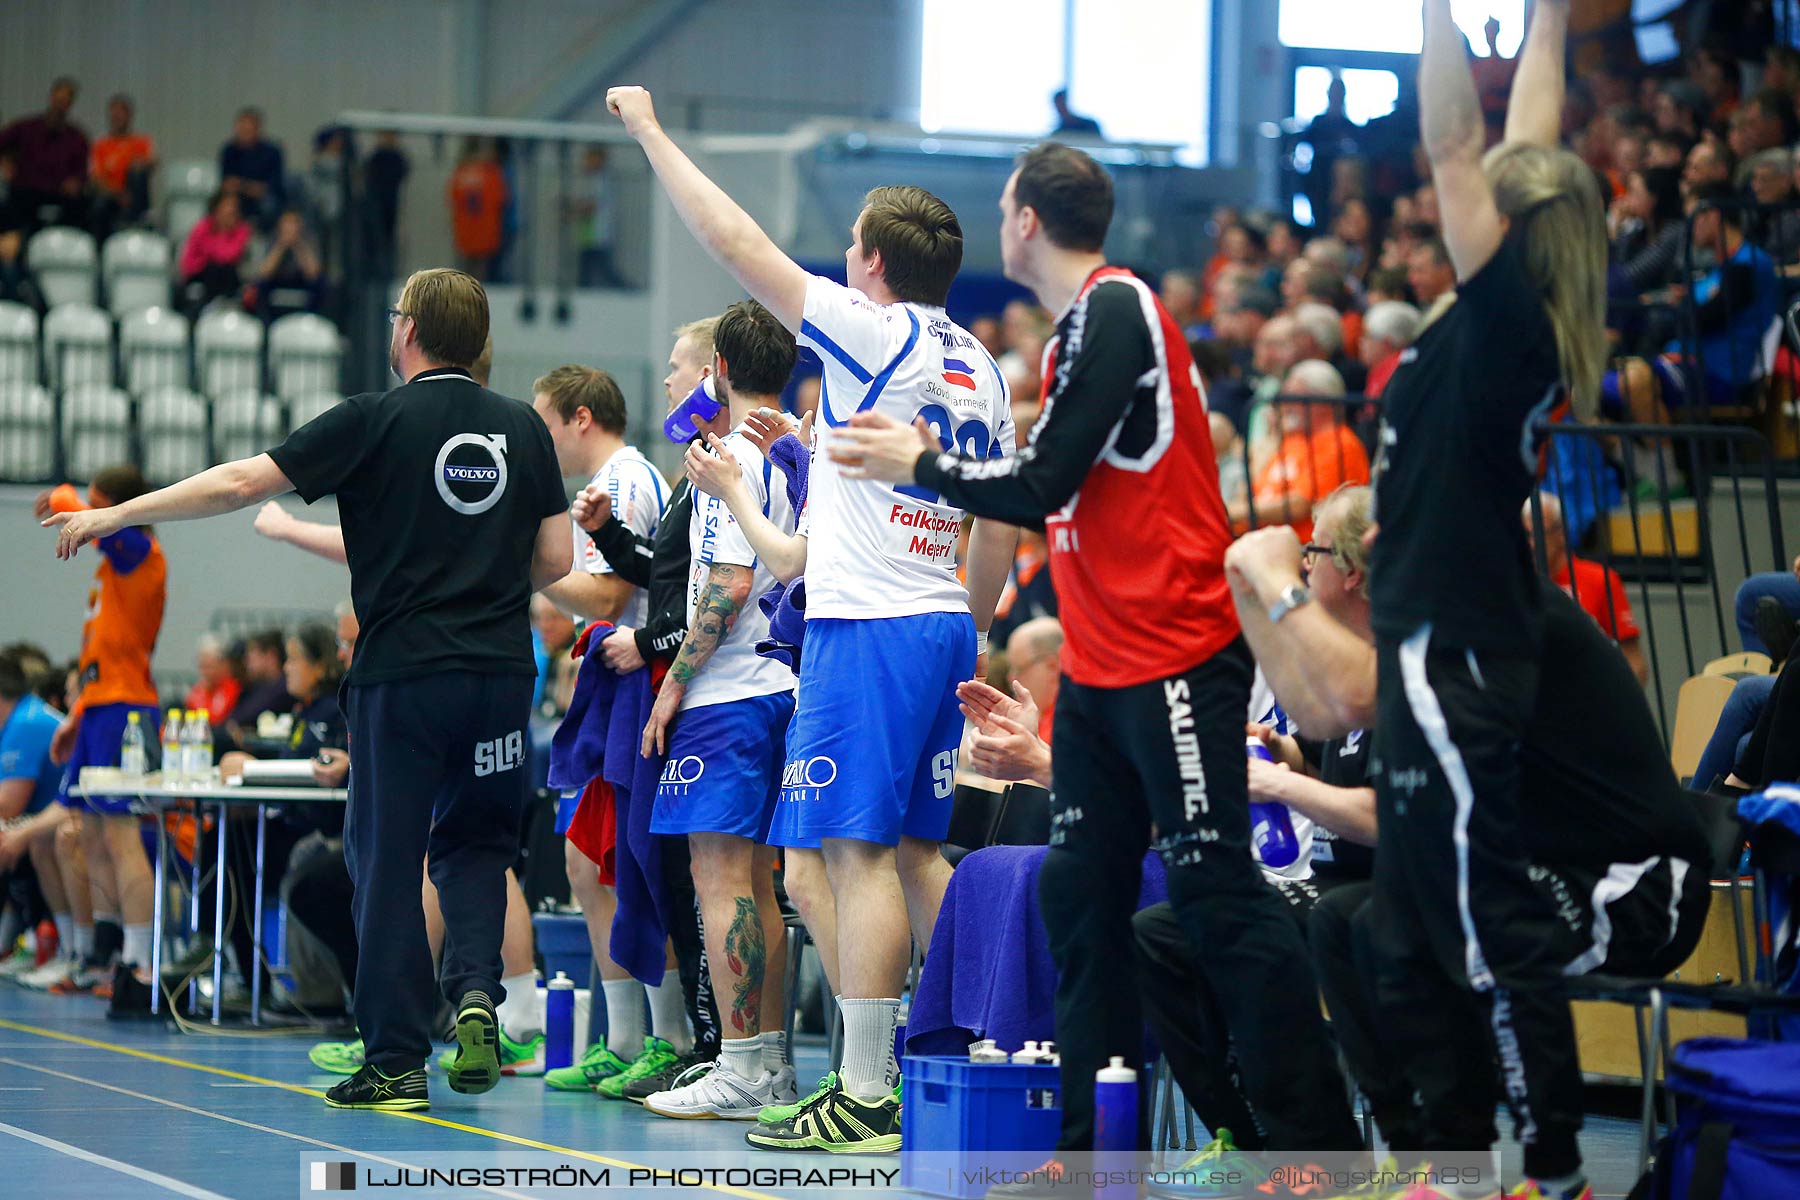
(477, 1065)
(394, 1105)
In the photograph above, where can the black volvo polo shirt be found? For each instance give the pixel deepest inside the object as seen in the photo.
(441, 486)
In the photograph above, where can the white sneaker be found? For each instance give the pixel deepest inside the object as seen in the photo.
(17, 963)
(720, 1094)
(42, 979)
(784, 1086)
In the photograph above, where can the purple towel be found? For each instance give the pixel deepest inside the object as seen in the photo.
(599, 738)
(989, 973)
(785, 606)
(795, 461)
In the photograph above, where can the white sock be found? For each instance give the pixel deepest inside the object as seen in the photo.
(743, 1057)
(518, 1013)
(137, 946)
(668, 1012)
(624, 1017)
(774, 1049)
(65, 933)
(84, 942)
(869, 1068)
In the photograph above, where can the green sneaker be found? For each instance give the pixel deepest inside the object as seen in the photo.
(338, 1058)
(1204, 1176)
(516, 1058)
(597, 1065)
(837, 1123)
(775, 1114)
(476, 1067)
(658, 1056)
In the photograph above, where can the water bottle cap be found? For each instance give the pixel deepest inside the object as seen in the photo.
(206, 714)
(1030, 1046)
(1117, 1072)
(131, 718)
(1254, 748)
(560, 982)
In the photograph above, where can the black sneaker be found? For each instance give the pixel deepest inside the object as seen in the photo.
(837, 1123)
(372, 1087)
(476, 1067)
(664, 1080)
(130, 999)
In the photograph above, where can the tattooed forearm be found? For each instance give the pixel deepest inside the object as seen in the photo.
(745, 955)
(727, 588)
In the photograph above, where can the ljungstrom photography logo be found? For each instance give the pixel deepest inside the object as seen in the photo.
(334, 1177)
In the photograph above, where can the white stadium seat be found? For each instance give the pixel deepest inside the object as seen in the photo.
(18, 343)
(172, 432)
(186, 187)
(228, 351)
(96, 423)
(27, 433)
(77, 346)
(303, 355)
(135, 269)
(302, 409)
(64, 261)
(153, 350)
(245, 424)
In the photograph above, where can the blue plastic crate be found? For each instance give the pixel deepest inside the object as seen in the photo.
(959, 1116)
(563, 941)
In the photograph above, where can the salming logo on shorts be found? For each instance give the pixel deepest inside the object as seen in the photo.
(500, 755)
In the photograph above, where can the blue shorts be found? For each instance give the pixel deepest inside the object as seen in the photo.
(97, 739)
(566, 804)
(872, 754)
(724, 768)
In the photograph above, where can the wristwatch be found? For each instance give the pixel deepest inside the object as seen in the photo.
(1292, 597)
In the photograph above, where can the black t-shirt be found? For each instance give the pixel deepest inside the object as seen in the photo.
(441, 487)
(1597, 787)
(1455, 464)
(1342, 763)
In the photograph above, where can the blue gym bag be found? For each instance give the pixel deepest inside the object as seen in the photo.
(1737, 1130)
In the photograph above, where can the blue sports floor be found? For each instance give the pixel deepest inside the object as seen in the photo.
(96, 1108)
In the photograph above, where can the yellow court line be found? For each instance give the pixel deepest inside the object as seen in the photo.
(147, 1056)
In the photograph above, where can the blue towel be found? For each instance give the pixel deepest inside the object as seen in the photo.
(795, 461)
(785, 606)
(599, 738)
(989, 973)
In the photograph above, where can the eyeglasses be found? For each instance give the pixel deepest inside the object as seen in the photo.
(1312, 549)
(394, 314)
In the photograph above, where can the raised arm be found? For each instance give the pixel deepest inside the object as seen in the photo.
(718, 475)
(1451, 127)
(1320, 671)
(729, 233)
(221, 489)
(1534, 110)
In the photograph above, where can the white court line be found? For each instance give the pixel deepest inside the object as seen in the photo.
(201, 1112)
(113, 1164)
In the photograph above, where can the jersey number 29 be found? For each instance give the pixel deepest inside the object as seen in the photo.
(972, 438)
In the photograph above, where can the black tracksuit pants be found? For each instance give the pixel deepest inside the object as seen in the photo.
(1456, 919)
(440, 771)
(1648, 930)
(1171, 753)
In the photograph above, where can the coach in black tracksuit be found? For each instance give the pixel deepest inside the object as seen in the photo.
(453, 513)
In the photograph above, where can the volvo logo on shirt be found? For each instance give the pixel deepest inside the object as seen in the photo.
(471, 472)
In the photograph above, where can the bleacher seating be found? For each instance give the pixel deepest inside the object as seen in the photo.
(63, 260)
(77, 346)
(303, 355)
(186, 188)
(302, 409)
(27, 432)
(153, 350)
(96, 427)
(244, 423)
(135, 270)
(227, 351)
(172, 432)
(18, 343)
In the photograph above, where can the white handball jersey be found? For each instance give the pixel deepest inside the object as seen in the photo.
(876, 549)
(1264, 710)
(639, 494)
(736, 671)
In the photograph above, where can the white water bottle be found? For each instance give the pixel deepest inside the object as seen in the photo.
(190, 759)
(134, 754)
(172, 765)
(203, 747)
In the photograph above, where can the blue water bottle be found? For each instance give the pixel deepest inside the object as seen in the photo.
(1115, 1129)
(559, 1022)
(1271, 829)
(684, 420)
